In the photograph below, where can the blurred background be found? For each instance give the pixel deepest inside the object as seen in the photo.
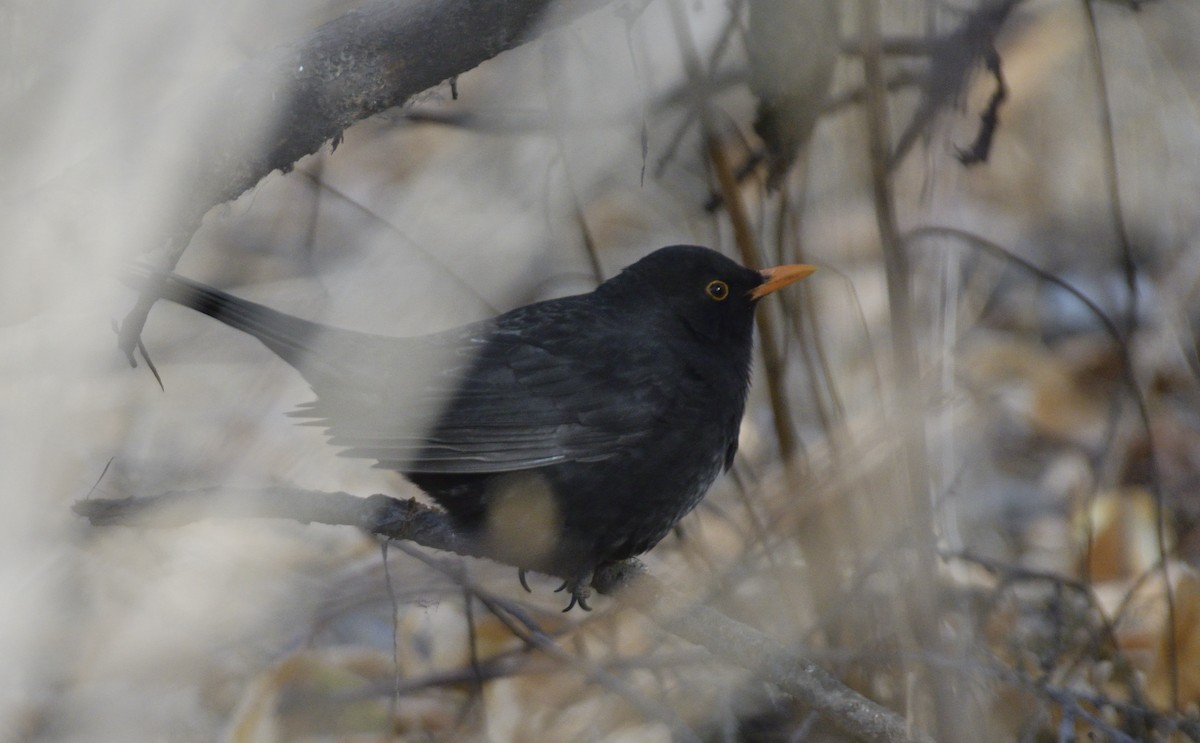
(968, 475)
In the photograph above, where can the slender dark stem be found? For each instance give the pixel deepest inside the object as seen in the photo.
(1121, 232)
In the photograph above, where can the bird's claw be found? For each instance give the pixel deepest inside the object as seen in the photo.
(581, 591)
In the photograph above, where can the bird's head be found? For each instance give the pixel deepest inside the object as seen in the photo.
(713, 295)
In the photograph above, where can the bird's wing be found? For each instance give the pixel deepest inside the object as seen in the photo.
(537, 387)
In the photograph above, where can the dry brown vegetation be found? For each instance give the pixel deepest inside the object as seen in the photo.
(968, 481)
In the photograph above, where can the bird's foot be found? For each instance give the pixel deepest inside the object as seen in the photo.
(580, 588)
(581, 591)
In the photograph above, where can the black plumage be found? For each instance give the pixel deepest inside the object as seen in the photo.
(569, 433)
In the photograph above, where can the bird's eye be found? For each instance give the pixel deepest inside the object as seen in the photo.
(717, 289)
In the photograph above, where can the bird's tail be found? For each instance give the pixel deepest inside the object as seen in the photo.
(289, 337)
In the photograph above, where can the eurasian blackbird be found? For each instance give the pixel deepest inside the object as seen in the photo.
(568, 433)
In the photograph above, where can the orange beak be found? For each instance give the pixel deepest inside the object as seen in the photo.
(778, 277)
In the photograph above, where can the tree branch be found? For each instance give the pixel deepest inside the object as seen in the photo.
(373, 58)
(412, 521)
(367, 61)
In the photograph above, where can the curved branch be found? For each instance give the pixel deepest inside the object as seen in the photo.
(367, 61)
(373, 58)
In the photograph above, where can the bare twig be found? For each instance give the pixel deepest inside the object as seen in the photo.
(537, 638)
(1121, 232)
(1128, 377)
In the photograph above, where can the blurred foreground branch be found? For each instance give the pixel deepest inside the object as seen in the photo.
(373, 58)
(287, 103)
(732, 641)
(910, 415)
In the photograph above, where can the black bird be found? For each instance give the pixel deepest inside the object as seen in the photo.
(568, 433)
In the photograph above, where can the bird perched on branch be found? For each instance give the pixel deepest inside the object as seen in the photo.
(565, 434)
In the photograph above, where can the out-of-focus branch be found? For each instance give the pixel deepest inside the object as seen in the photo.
(737, 643)
(907, 398)
(371, 59)
(1121, 232)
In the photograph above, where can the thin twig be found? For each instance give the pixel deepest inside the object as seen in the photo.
(1121, 232)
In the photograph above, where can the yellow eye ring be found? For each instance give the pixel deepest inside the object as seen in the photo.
(717, 289)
